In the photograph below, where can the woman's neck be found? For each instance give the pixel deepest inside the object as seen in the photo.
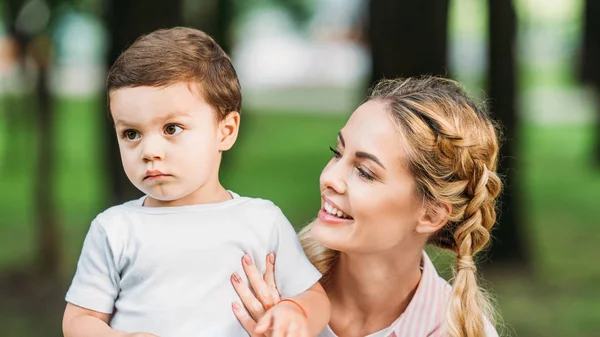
(369, 292)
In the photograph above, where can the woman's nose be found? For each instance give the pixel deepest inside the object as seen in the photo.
(333, 177)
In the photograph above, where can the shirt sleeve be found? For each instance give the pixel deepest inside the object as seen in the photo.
(95, 285)
(294, 273)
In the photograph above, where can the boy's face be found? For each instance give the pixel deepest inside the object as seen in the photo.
(170, 142)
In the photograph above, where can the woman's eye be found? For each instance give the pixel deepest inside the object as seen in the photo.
(364, 174)
(336, 153)
(173, 129)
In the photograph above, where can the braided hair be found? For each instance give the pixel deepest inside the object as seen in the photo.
(452, 147)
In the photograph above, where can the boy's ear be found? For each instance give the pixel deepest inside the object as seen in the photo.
(228, 130)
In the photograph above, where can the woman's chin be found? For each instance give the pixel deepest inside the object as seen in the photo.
(331, 236)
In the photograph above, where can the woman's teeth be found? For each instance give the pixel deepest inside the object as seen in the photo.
(334, 211)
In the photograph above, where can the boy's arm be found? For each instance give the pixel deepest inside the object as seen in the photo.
(81, 322)
(94, 286)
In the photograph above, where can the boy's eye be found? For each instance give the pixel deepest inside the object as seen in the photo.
(131, 134)
(173, 129)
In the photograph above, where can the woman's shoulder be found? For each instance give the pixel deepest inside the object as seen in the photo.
(425, 314)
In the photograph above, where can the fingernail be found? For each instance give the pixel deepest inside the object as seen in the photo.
(236, 277)
(235, 305)
(272, 258)
(248, 259)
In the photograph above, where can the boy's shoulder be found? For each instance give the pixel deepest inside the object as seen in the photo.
(250, 201)
(261, 216)
(263, 208)
(117, 215)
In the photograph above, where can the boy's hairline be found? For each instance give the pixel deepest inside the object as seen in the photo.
(195, 87)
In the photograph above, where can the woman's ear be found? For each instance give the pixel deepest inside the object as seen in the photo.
(228, 130)
(433, 218)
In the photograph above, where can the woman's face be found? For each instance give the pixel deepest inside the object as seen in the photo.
(369, 203)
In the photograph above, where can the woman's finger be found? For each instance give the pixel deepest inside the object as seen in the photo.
(280, 326)
(269, 277)
(264, 324)
(254, 307)
(292, 330)
(296, 329)
(244, 317)
(259, 286)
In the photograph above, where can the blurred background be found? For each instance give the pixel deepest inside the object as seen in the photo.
(304, 66)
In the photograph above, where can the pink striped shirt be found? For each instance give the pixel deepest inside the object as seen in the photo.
(424, 316)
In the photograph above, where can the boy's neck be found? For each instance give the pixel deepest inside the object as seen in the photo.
(203, 195)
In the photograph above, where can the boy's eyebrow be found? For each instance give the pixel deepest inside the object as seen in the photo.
(119, 122)
(170, 115)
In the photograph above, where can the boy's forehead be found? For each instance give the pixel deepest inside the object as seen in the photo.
(193, 88)
(178, 94)
(148, 102)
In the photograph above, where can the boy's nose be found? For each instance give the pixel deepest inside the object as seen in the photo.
(152, 149)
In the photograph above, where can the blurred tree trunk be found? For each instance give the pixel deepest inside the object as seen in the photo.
(37, 45)
(214, 17)
(127, 20)
(49, 243)
(590, 70)
(509, 239)
(408, 38)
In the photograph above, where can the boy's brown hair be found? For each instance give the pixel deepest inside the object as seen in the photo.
(168, 56)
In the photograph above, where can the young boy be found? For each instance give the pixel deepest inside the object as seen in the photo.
(161, 265)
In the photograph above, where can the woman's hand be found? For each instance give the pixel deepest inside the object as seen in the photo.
(284, 320)
(253, 308)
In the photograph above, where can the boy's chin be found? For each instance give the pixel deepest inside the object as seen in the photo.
(165, 197)
(161, 201)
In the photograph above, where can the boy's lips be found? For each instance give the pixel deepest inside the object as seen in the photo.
(155, 174)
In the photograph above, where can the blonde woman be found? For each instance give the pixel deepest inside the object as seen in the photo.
(414, 165)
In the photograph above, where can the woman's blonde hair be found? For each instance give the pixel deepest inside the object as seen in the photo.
(452, 147)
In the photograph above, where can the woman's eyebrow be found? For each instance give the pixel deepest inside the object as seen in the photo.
(362, 154)
(341, 139)
(366, 155)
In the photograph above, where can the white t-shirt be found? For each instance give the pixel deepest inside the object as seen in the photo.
(166, 270)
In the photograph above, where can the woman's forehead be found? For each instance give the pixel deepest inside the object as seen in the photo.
(371, 125)
(371, 129)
